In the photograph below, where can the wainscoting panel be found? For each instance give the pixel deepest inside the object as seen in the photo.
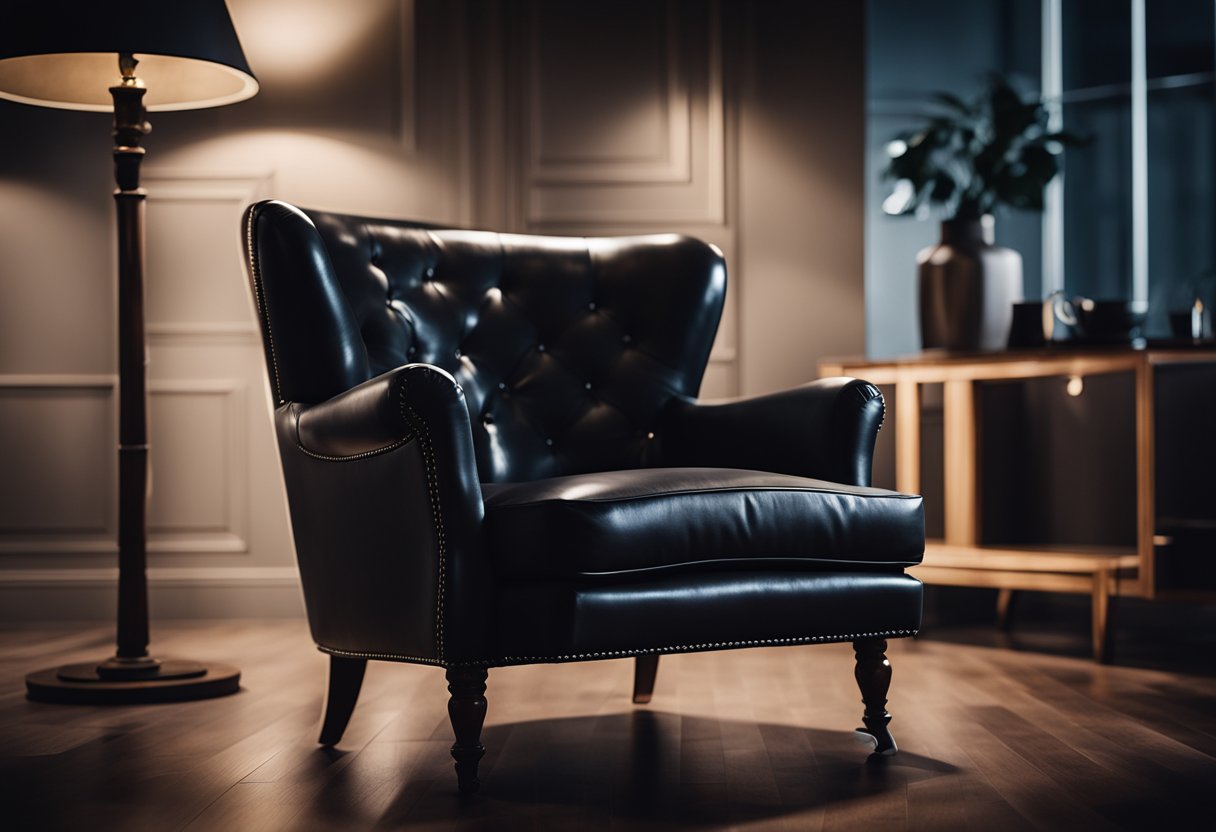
(624, 117)
(610, 97)
(183, 284)
(216, 486)
(57, 440)
(615, 119)
(199, 433)
(218, 533)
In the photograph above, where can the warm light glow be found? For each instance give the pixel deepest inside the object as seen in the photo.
(295, 42)
(1076, 386)
(82, 81)
(358, 177)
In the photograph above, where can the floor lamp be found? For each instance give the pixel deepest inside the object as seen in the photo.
(83, 55)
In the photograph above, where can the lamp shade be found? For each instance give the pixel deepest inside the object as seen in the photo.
(63, 53)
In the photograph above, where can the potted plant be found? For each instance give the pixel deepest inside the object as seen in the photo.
(964, 162)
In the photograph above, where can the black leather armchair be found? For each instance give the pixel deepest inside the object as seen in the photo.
(494, 455)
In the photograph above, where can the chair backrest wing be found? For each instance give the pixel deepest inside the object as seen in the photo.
(567, 348)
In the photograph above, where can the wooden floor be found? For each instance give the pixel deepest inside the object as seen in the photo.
(991, 739)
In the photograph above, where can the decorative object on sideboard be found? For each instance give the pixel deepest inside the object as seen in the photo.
(82, 55)
(968, 159)
(1107, 323)
(1189, 308)
(1078, 321)
(1194, 324)
(1032, 325)
(967, 287)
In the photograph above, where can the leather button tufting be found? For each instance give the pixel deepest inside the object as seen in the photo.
(591, 306)
(549, 442)
(458, 354)
(502, 385)
(430, 272)
(540, 347)
(587, 385)
(487, 419)
(626, 339)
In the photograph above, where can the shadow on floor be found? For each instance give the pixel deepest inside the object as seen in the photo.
(672, 769)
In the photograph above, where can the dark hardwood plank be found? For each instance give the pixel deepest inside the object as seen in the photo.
(990, 739)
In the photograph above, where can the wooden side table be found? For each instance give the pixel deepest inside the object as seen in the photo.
(960, 558)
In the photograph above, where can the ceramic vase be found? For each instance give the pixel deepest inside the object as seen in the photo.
(968, 287)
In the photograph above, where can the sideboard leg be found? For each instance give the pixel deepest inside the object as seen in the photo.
(1103, 615)
(1006, 601)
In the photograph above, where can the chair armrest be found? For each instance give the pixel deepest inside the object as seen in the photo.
(825, 429)
(386, 411)
(387, 517)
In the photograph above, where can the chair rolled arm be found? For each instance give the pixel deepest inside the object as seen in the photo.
(364, 420)
(418, 494)
(825, 429)
(388, 410)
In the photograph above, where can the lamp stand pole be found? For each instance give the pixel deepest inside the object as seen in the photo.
(129, 129)
(131, 675)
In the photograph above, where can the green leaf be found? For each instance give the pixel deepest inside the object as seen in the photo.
(972, 157)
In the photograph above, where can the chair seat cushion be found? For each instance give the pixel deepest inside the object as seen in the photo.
(695, 518)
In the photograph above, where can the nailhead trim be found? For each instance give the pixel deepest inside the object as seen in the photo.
(615, 654)
(432, 488)
(259, 298)
(397, 657)
(717, 645)
(364, 455)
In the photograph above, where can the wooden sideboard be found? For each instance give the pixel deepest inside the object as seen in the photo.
(960, 558)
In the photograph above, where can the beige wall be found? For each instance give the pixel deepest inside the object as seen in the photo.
(738, 122)
(801, 189)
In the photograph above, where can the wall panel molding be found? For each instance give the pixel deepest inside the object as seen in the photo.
(207, 431)
(671, 161)
(89, 481)
(202, 334)
(39, 381)
(60, 423)
(89, 594)
(200, 289)
(178, 575)
(187, 512)
(680, 179)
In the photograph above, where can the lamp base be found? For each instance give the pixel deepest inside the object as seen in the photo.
(98, 683)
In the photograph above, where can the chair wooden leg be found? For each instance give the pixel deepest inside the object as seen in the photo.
(467, 710)
(873, 673)
(345, 679)
(644, 670)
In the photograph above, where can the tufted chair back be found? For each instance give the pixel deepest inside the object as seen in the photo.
(567, 348)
